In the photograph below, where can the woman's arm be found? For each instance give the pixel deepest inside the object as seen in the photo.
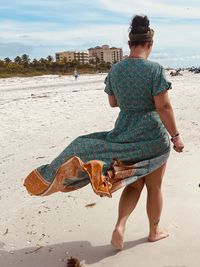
(112, 101)
(165, 111)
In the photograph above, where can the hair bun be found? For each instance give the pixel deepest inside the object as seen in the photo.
(140, 24)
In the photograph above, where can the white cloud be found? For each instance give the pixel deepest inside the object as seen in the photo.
(154, 8)
(177, 36)
(166, 36)
(173, 34)
(37, 33)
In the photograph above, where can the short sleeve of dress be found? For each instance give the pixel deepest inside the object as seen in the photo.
(108, 88)
(160, 83)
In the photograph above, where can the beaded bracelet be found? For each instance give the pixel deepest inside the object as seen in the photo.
(174, 137)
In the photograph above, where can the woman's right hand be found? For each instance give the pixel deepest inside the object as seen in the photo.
(178, 144)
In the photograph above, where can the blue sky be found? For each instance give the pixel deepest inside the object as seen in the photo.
(40, 28)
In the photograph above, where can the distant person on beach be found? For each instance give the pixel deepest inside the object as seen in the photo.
(75, 75)
(135, 152)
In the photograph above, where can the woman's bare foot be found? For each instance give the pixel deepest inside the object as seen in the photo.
(157, 235)
(117, 238)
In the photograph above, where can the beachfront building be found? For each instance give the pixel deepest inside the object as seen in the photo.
(71, 56)
(106, 54)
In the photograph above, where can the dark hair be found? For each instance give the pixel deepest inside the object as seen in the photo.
(139, 24)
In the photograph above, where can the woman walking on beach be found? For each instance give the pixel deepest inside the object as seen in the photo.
(131, 155)
(139, 87)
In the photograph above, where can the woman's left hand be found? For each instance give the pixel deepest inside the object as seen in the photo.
(178, 144)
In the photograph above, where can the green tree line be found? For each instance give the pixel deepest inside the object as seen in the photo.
(24, 66)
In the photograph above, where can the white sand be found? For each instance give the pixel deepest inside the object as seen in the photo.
(38, 118)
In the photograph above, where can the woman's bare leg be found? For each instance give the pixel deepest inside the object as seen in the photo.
(127, 203)
(153, 183)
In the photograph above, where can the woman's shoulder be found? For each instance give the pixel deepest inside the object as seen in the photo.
(123, 65)
(119, 64)
(126, 62)
(153, 64)
(154, 67)
(117, 67)
(146, 65)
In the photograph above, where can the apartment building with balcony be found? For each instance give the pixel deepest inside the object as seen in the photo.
(106, 54)
(70, 56)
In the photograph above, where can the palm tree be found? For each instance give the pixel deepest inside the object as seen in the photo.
(35, 62)
(50, 59)
(42, 61)
(7, 60)
(25, 60)
(18, 60)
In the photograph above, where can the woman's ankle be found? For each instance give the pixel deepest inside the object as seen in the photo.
(154, 230)
(120, 228)
(154, 227)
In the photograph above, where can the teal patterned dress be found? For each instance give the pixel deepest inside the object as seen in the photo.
(138, 136)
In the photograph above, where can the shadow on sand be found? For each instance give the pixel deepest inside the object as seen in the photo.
(56, 255)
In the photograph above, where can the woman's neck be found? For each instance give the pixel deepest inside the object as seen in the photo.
(138, 53)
